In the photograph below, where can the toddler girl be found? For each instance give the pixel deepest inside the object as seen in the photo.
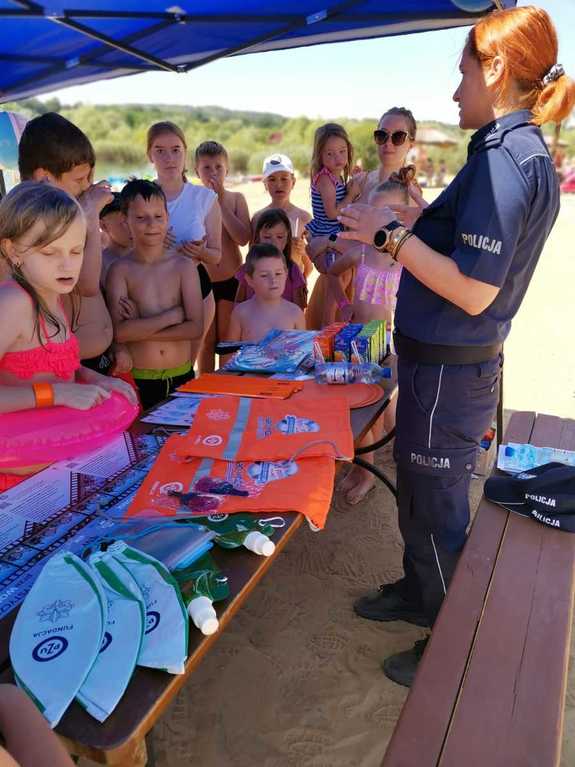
(273, 226)
(375, 283)
(331, 185)
(376, 277)
(42, 236)
(331, 190)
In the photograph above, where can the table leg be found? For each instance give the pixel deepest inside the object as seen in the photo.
(376, 445)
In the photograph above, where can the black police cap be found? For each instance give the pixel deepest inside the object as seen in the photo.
(545, 493)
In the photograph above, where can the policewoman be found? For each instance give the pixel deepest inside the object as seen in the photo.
(467, 261)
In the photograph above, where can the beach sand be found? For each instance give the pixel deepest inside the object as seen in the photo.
(296, 681)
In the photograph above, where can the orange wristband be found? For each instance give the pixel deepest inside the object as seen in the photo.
(43, 394)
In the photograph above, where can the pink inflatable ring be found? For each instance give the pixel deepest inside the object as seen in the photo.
(30, 437)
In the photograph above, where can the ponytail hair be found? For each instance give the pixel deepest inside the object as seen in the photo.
(406, 176)
(526, 40)
(399, 183)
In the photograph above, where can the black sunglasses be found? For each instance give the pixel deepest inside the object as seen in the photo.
(398, 137)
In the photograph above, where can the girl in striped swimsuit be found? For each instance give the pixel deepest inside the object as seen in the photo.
(331, 190)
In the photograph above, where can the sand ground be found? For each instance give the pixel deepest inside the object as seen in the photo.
(296, 680)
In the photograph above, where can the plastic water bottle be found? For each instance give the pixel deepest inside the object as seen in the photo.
(516, 457)
(348, 372)
(259, 543)
(202, 613)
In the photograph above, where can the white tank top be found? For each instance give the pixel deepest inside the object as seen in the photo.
(188, 212)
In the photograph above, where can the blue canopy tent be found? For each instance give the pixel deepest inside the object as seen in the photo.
(44, 45)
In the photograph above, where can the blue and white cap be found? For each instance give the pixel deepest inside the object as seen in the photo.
(277, 163)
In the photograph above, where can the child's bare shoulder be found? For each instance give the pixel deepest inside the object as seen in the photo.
(290, 309)
(120, 267)
(181, 264)
(14, 299)
(301, 213)
(235, 196)
(243, 309)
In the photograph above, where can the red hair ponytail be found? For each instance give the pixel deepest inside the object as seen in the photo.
(526, 40)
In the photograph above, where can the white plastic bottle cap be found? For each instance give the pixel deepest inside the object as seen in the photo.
(203, 615)
(259, 543)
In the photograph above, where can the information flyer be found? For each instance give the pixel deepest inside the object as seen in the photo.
(70, 505)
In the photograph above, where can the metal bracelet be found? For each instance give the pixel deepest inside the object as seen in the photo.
(404, 238)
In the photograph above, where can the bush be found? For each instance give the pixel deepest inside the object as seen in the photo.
(119, 134)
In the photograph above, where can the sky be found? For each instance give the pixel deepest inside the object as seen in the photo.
(356, 79)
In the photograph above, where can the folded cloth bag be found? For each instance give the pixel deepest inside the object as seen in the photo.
(165, 641)
(247, 429)
(242, 386)
(108, 678)
(58, 634)
(203, 486)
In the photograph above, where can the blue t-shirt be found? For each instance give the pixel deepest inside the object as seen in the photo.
(492, 220)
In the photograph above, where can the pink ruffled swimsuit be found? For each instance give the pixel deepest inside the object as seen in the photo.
(377, 286)
(62, 358)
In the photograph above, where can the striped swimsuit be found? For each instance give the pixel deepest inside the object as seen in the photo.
(320, 223)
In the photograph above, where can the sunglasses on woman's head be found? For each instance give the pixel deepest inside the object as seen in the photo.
(398, 137)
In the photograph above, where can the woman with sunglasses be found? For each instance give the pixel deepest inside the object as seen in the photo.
(394, 137)
(468, 259)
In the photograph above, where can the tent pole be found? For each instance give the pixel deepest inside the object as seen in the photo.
(130, 50)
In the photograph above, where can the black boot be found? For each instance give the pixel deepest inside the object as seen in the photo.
(388, 604)
(402, 667)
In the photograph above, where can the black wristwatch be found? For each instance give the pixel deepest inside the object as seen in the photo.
(381, 237)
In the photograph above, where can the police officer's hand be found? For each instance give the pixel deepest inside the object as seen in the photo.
(408, 214)
(363, 221)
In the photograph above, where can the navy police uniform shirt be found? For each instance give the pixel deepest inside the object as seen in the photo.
(492, 220)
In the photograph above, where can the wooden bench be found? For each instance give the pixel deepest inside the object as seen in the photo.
(120, 740)
(490, 690)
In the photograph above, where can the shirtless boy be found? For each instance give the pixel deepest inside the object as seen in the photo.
(155, 297)
(53, 149)
(279, 180)
(115, 228)
(212, 167)
(266, 273)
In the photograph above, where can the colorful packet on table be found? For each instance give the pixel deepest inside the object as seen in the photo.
(281, 351)
(243, 429)
(243, 386)
(104, 686)
(58, 634)
(203, 486)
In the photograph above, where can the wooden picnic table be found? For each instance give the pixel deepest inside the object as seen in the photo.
(490, 689)
(120, 740)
